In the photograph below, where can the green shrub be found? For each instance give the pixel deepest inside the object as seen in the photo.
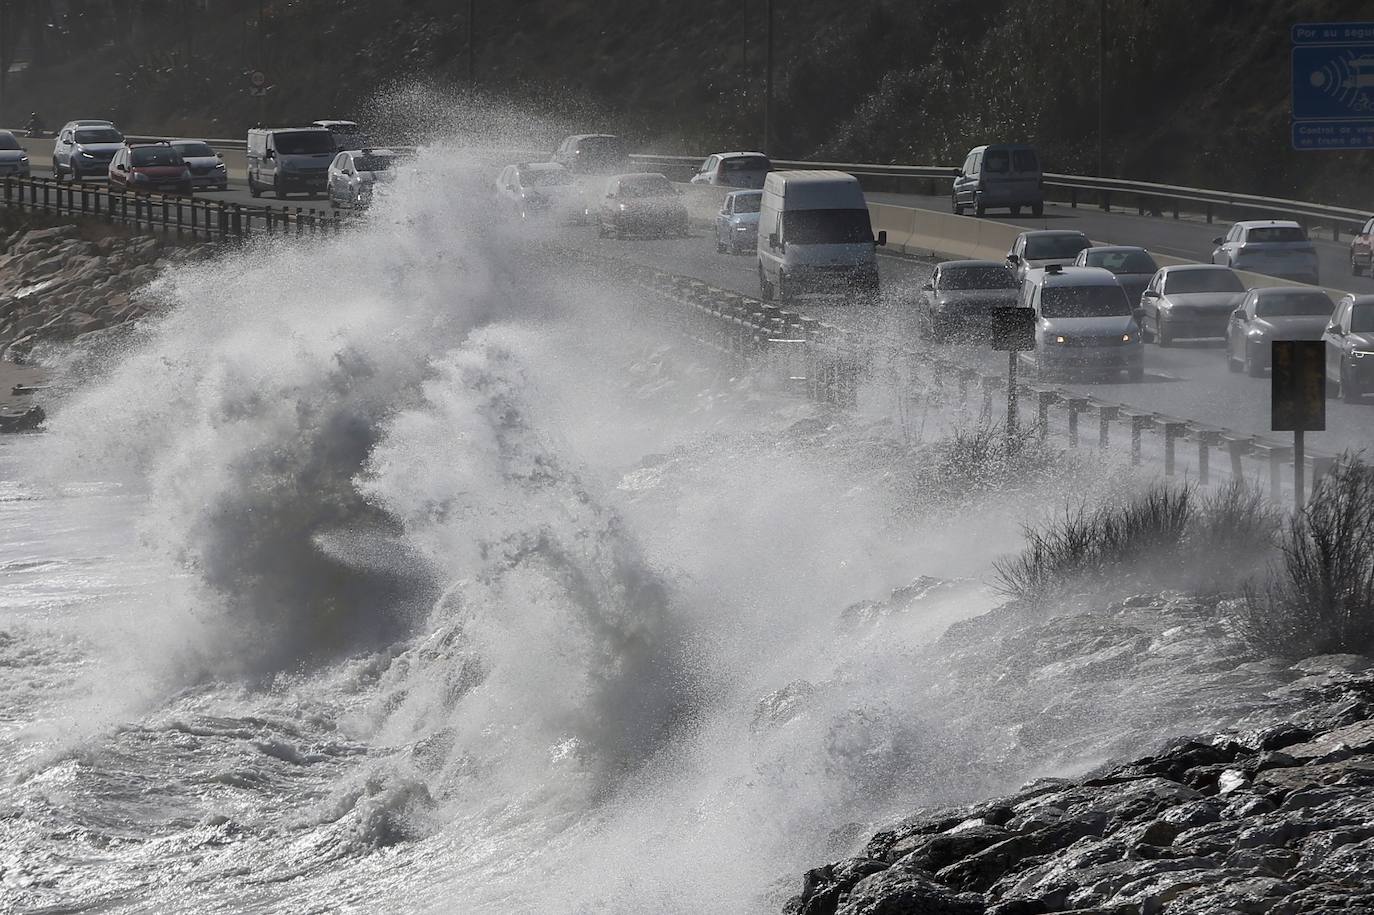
(1166, 536)
(1320, 597)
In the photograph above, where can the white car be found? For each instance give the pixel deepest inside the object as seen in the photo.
(1273, 247)
(14, 159)
(354, 173)
(734, 169)
(533, 189)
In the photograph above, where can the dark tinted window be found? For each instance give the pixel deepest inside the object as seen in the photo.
(305, 142)
(1083, 302)
(1055, 247)
(1024, 160)
(1276, 233)
(154, 155)
(826, 227)
(996, 162)
(977, 278)
(646, 186)
(601, 147)
(1122, 261)
(1182, 282)
(748, 203)
(193, 150)
(7, 141)
(746, 164)
(1293, 305)
(545, 177)
(372, 163)
(1362, 319)
(98, 135)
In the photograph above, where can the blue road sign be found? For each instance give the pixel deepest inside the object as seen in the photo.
(1333, 135)
(1333, 85)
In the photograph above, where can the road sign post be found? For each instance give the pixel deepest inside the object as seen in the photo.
(1013, 332)
(1332, 73)
(1298, 398)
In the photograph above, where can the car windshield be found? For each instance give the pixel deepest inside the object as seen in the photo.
(1122, 261)
(992, 277)
(826, 227)
(748, 203)
(351, 140)
(194, 150)
(154, 155)
(372, 163)
(99, 135)
(1183, 282)
(1083, 302)
(1276, 234)
(545, 177)
(305, 142)
(745, 164)
(1297, 304)
(647, 186)
(1362, 319)
(7, 141)
(1055, 247)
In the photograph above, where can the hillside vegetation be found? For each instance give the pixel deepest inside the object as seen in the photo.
(1196, 91)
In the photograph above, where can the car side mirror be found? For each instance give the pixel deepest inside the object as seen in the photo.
(269, 155)
(1138, 315)
(1335, 330)
(928, 285)
(1238, 314)
(1219, 240)
(882, 238)
(1151, 294)
(1013, 258)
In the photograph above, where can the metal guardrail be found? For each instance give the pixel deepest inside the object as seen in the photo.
(184, 217)
(1147, 196)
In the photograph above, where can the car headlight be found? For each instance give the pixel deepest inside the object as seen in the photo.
(219, 166)
(1127, 338)
(624, 207)
(139, 176)
(1360, 353)
(1055, 338)
(86, 155)
(23, 158)
(741, 228)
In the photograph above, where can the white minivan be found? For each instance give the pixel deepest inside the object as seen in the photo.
(815, 236)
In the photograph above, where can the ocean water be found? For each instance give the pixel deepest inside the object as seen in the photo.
(413, 571)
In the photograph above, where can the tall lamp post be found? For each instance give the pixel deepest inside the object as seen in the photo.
(472, 42)
(768, 83)
(1101, 82)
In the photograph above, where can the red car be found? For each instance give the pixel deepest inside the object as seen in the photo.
(1362, 250)
(145, 168)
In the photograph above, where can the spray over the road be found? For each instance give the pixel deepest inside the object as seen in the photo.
(410, 571)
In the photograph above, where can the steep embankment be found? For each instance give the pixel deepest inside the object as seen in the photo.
(1269, 812)
(1195, 91)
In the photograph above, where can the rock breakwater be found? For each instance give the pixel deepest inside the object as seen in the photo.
(1273, 814)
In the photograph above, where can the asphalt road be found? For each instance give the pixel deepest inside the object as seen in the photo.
(1189, 380)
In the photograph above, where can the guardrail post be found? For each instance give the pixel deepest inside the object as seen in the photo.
(1321, 466)
(991, 384)
(1139, 422)
(1076, 405)
(1209, 214)
(1106, 201)
(1237, 446)
(1105, 414)
(1043, 399)
(1073, 198)
(1173, 429)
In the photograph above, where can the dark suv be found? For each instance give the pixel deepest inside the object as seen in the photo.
(593, 154)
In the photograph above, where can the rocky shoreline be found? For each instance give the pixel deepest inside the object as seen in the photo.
(1272, 812)
(62, 281)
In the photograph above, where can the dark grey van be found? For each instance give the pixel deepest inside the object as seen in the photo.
(1004, 175)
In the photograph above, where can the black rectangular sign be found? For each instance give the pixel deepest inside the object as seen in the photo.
(1013, 329)
(1298, 386)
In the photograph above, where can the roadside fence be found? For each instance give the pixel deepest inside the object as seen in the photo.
(183, 217)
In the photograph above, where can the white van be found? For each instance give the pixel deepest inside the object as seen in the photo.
(815, 235)
(287, 159)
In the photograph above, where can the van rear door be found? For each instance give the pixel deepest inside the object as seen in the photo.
(1011, 173)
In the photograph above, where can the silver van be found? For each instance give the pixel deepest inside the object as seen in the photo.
(286, 160)
(1083, 322)
(1002, 176)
